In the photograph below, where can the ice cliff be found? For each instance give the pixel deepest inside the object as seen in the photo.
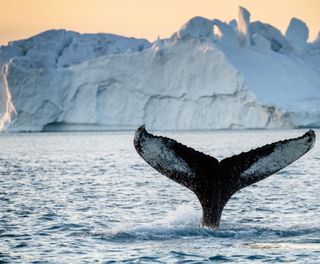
(208, 75)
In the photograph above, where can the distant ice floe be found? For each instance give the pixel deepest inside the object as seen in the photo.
(208, 75)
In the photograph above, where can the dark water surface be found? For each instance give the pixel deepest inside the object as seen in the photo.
(89, 198)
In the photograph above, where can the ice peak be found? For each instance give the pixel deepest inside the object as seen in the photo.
(244, 12)
(244, 26)
(297, 34)
(277, 41)
(197, 27)
(227, 33)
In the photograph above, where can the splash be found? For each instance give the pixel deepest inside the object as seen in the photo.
(10, 109)
(183, 221)
(184, 215)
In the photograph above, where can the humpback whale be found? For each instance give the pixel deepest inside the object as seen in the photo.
(213, 181)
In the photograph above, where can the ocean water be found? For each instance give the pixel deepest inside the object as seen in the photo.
(89, 198)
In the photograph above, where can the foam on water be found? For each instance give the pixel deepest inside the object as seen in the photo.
(285, 245)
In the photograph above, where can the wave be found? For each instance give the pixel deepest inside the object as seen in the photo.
(168, 233)
(185, 222)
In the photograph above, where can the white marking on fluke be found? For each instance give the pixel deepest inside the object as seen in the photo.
(284, 153)
(157, 153)
(212, 181)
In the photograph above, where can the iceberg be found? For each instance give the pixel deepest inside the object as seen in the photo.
(207, 75)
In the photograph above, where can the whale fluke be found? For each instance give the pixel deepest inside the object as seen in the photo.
(212, 181)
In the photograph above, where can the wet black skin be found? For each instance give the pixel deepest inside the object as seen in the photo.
(212, 181)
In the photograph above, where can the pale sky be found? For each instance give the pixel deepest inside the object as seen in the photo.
(143, 18)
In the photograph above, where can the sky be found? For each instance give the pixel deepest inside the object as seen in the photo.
(143, 18)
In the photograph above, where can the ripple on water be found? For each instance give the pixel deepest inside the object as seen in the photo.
(88, 197)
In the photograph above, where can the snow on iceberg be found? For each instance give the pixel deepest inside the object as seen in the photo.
(247, 75)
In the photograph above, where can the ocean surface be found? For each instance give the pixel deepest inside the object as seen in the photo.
(89, 198)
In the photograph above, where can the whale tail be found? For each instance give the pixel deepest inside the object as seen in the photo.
(213, 181)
